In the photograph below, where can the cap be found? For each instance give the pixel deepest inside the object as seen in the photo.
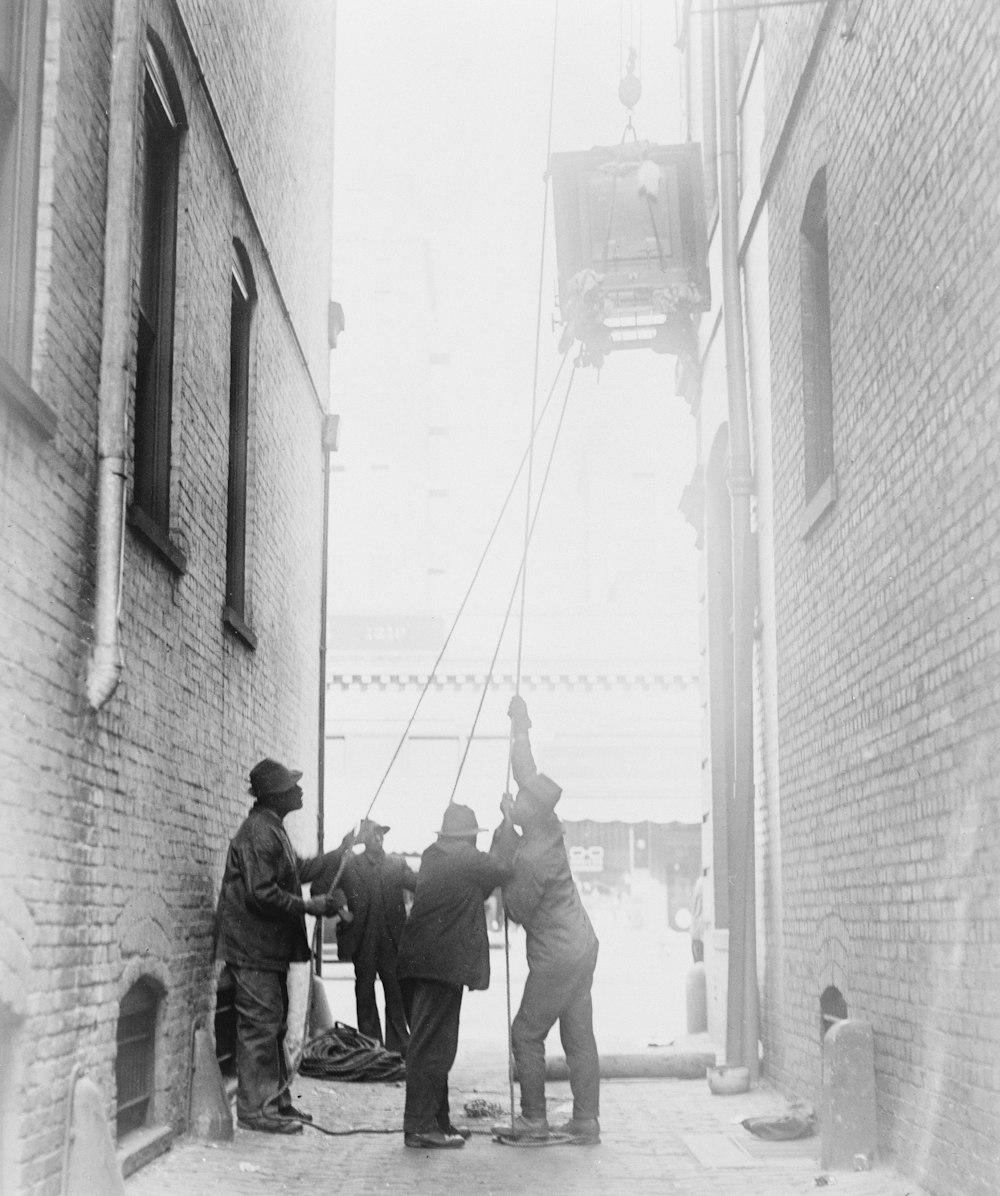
(271, 779)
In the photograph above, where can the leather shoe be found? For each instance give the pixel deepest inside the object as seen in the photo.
(585, 1131)
(463, 1131)
(533, 1128)
(270, 1125)
(292, 1111)
(433, 1140)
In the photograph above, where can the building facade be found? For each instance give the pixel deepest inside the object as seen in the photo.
(867, 254)
(165, 225)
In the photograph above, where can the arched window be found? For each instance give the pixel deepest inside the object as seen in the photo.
(162, 125)
(241, 318)
(817, 375)
(135, 1062)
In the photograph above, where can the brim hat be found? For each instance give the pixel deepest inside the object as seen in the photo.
(369, 826)
(270, 779)
(459, 822)
(543, 789)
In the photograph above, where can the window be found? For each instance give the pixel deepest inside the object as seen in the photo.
(136, 1057)
(162, 124)
(22, 50)
(241, 317)
(817, 376)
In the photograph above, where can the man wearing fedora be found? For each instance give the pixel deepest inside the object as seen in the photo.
(561, 947)
(444, 949)
(374, 884)
(260, 930)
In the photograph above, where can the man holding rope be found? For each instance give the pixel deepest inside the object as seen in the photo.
(561, 948)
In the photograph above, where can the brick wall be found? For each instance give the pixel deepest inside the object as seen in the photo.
(888, 611)
(116, 823)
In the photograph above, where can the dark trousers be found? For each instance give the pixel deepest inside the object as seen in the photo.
(375, 956)
(261, 1000)
(561, 995)
(434, 1009)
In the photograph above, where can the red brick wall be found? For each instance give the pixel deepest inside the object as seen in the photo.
(888, 611)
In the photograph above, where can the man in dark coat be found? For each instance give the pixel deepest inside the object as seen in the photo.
(374, 883)
(260, 930)
(561, 948)
(444, 948)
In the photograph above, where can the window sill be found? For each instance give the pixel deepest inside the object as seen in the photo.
(238, 627)
(156, 537)
(818, 505)
(140, 1147)
(16, 393)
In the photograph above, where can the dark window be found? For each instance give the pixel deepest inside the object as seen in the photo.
(135, 1062)
(239, 403)
(154, 358)
(22, 41)
(817, 378)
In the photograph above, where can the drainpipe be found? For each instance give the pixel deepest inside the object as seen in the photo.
(105, 667)
(331, 428)
(742, 1011)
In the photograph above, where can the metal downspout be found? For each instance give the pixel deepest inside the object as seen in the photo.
(742, 1012)
(321, 764)
(105, 667)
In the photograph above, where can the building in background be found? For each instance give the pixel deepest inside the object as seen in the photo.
(165, 225)
(866, 236)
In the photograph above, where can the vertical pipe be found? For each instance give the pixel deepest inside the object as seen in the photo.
(328, 448)
(742, 1011)
(105, 667)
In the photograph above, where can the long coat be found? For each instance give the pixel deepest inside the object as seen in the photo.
(260, 921)
(445, 938)
(374, 890)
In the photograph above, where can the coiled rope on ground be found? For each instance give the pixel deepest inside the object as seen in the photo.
(344, 1053)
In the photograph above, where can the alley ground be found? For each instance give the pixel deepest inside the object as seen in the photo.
(659, 1136)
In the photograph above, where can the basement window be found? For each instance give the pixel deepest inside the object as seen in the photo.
(832, 1009)
(135, 1063)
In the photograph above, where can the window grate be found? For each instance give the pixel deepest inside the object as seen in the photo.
(135, 1068)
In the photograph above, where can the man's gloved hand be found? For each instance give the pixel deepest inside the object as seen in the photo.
(322, 906)
(517, 711)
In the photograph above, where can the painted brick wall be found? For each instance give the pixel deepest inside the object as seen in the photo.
(116, 823)
(888, 611)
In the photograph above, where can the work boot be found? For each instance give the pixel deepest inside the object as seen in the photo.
(433, 1140)
(533, 1128)
(463, 1132)
(585, 1131)
(270, 1125)
(292, 1111)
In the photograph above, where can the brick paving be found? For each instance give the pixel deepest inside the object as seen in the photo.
(659, 1136)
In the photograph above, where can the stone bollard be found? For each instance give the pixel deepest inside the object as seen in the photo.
(697, 1001)
(210, 1117)
(848, 1119)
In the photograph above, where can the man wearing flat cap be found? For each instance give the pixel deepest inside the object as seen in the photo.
(374, 884)
(444, 949)
(260, 930)
(561, 947)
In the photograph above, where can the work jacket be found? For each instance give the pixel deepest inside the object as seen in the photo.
(542, 895)
(260, 920)
(374, 890)
(445, 938)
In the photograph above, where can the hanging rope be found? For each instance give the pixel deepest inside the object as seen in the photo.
(444, 647)
(517, 580)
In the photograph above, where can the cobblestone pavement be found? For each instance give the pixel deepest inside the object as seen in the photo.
(659, 1136)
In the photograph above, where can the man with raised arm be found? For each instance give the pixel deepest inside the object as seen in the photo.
(561, 948)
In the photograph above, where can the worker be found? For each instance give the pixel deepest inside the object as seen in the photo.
(561, 948)
(374, 884)
(260, 930)
(444, 948)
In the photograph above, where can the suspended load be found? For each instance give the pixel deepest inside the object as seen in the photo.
(631, 247)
